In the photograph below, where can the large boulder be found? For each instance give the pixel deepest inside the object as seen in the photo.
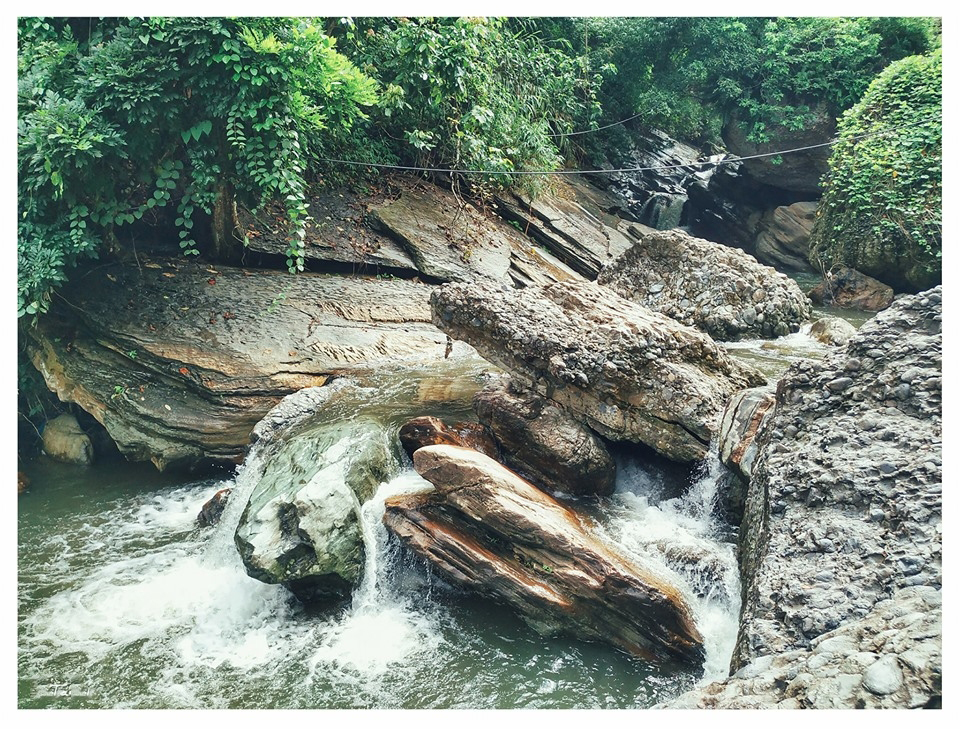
(301, 527)
(490, 531)
(784, 237)
(845, 504)
(544, 444)
(65, 441)
(832, 330)
(179, 360)
(628, 373)
(720, 290)
(847, 288)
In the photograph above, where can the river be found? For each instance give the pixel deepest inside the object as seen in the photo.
(124, 602)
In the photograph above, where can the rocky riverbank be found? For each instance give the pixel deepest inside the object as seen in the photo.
(841, 539)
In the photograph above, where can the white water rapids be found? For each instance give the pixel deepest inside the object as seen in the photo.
(125, 603)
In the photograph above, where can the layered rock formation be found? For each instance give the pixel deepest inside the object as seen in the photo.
(625, 371)
(450, 240)
(179, 360)
(574, 224)
(842, 527)
(720, 290)
(545, 445)
(490, 531)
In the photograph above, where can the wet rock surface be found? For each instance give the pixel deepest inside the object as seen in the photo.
(212, 510)
(428, 430)
(625, 371)
(656, 195)
(717, 289)
(892, 658)
(301, 526)
(179, 360)
(849, 289)
(487, 529)
(544, 444)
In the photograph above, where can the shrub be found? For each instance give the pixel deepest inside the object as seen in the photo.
(881, 208)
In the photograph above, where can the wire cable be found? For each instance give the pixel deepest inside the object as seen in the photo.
(590, 131)
(655, 168)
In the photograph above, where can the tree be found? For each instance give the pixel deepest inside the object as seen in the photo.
(126, 121)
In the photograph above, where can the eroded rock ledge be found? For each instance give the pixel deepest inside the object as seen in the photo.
(628, 373)
(179, 360)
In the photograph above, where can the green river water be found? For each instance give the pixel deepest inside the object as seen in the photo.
(123, 602)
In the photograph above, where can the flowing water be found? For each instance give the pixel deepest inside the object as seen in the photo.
(125, 603)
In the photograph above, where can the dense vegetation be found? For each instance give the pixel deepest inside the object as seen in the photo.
(135, 128)
(882, 208)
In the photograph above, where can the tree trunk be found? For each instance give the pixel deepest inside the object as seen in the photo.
(225, 227)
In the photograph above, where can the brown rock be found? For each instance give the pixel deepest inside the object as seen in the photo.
(23, 481)
(428, 430)
(544, 444)
(626, 372)
(847, 288)
(211, 511)
(487, 529)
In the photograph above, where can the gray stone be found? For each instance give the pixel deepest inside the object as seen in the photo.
(883, 677)
(832, 330)
(65, 441)
(707, 285)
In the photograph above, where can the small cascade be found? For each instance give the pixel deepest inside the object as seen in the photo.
(685, 539)
(382, 625)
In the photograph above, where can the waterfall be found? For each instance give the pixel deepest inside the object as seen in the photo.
(684, 539)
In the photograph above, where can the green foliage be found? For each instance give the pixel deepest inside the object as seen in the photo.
(469, 93)
(128, 120)
(688, 76)
(881, 209)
